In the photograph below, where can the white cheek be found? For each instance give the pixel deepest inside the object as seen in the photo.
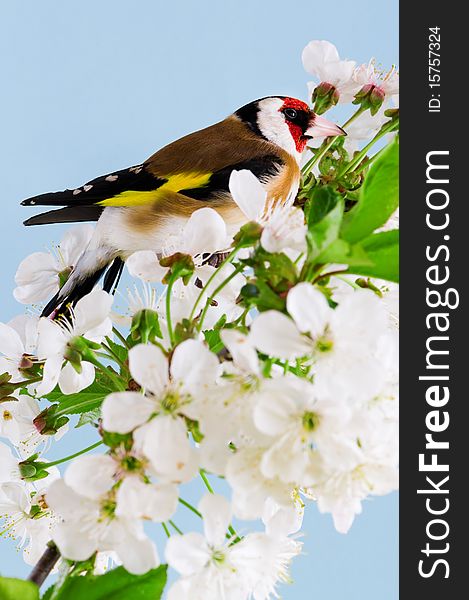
(273, 127)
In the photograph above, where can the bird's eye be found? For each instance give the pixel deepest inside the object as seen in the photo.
(290, 113)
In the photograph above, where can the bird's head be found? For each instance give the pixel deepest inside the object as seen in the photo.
(287, 122)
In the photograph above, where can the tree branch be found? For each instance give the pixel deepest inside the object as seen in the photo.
(45, 564)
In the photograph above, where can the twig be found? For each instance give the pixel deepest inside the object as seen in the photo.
(45, 564)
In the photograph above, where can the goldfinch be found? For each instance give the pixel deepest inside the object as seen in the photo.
(137, 208)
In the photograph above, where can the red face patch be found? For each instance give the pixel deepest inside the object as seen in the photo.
(297, 127)
(295, 103)
(298, 137)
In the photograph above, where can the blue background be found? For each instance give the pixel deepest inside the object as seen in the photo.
(94, 86)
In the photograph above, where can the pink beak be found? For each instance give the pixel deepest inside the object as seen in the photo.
(321, 127)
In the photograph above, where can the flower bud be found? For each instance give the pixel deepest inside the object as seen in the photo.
(78, 349)
(324, 97)
(6, 388)
(180, 266)
(48, 422)
(145, 326)
(371, 97)
(32, 470)
(248, 235)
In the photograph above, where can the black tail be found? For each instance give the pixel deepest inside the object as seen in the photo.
(59, 304)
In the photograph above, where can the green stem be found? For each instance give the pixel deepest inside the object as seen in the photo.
(24, 383)
(166, 530)
(357, 160)
(330, 274)
(215, 292)
(227, 260)
(116, 379)
(190, 507)
(175, 527)
(326, 145)
(206, 481)
(62, 460)
(371, 160)
(114, 356)
(349, 281)
(168, 311)
(120, 336)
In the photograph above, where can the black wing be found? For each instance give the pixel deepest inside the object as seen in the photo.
(81, 204)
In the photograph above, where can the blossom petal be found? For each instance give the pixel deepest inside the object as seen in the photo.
(137, 499)
(248, 193)
(74, 242)
(138, 554)
(165, 443)
(69, 505)
(187, 553)
(50, 375)
(316, 53)
(205, 231)
(91, 476)
(71, 382)
(309, 308)
(149, 367)
(240, 348)
(73, 543)
(216, 511)
(145, 265)
(275, 334)
(124, 411)
(91, 310)
(51, 338)
(36, 278)
(26, 326)
(193, 364)
(10, 342)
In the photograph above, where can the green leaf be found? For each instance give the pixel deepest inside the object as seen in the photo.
(117, 584)
(259, 294)
(89, 417)
(323, 221)
(18, 589)
(88, 399)
(212, 336)
(379, 197)
(342, 252)
(383, 250)
(276, 269)
(120, 351)
(320, 203)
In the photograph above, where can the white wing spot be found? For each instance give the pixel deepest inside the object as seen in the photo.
(87, 188)
(76, 192)
(33, 202)
(112, 178)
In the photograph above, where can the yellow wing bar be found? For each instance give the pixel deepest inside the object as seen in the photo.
(175, 183)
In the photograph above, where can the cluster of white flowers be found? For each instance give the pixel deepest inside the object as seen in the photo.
(339, 81)
(289, 406)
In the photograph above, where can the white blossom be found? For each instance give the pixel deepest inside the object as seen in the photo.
(38, 275)
(91, 517)
(321, 59)
(343, 338)
(157, 417)
(18, 340)
(89, 318)
(25, 518)
(283, 224)
(211, 568)
(17, 425)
